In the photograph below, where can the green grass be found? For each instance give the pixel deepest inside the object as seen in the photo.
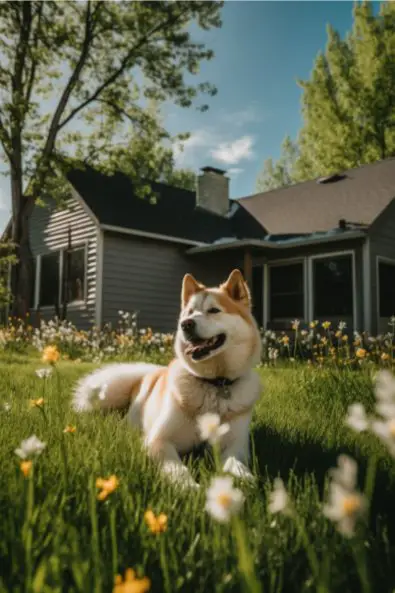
(298, 431)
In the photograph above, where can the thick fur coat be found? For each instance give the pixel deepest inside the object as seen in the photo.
(217, 339)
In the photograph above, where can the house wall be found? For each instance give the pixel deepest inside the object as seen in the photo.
(306, 254)
(381, 245)
(49, 231)
(145, 275)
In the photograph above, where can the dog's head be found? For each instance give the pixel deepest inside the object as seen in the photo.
(217, 334)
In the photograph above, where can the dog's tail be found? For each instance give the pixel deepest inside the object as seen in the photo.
(110, 387)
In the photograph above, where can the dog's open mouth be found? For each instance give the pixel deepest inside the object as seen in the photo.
(199, 349)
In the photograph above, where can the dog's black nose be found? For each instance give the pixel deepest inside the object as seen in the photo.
(188, 326)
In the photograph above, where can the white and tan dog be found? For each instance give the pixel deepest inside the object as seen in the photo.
(217, 345)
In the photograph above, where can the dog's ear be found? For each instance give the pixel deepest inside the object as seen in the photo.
(237, 288)
(190, 286)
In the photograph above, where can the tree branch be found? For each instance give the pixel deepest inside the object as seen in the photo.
(36, 38)
(124, 64)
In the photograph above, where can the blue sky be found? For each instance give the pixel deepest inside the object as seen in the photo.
(260, 52)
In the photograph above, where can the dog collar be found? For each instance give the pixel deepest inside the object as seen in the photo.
(223, 384)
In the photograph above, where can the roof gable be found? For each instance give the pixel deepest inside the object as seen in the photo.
(358, 196)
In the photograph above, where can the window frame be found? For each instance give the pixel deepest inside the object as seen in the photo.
(61, 251)
(385, 260)
(267, 285)
(334, 255)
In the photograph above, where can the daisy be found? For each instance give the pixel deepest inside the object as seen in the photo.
(30, 447)
(210, 428)
(356, 418)
(279, 499)
(223, 500)
(43, 373)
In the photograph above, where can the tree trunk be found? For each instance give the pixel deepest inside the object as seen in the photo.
(22, 271)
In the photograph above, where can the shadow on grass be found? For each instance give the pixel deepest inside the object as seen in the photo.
(278, 456)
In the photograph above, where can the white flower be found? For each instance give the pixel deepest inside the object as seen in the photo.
(43, 373)
(223, 500)
(385, 430)
(385, 393)
(342, 325)
(356, 418)
(345, 504)
(210, 428)
(6, 407)
(30, 447)
(295, 324)
(279, 499)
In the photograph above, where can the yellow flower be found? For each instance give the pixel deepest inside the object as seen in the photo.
(26, 467)
(131, 584)
(313, 324)
(345, 338)
(51, 354)
(324, 340)
(326, 324)
(338, 334)
(385, 356)
(37, 403)
(107, 486)
(69, 429)
(360, 353)
(285, 339)
(156, 524)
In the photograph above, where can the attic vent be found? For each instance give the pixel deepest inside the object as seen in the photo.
(331, 178)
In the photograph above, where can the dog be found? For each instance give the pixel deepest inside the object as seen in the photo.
(217, 345)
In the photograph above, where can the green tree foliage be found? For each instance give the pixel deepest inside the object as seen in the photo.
(280, 173)
(73, 73)
(348, 103)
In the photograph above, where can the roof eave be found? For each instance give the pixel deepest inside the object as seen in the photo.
(254, 243)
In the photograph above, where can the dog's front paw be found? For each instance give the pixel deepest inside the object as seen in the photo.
(180, 475)
(238, 469)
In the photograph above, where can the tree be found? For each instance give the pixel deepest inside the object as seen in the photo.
(70, 69)
(278, 174)
(348, 105)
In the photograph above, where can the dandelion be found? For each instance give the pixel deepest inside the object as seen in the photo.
(345, 504)
(69, 429)
(279, 499)
(51, 355)
(26, 467)
(106, 486)
(326, 324)
(156, 524)
(30, 447)
(37, 403)
(131, 584)
(223, 500)
(43, 373)
(210, 428)
(356, 418)
(361, 353)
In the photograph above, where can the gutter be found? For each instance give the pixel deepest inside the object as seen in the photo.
(136, 233)
(262, 244)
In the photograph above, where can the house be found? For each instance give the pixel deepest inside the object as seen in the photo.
(323, 249)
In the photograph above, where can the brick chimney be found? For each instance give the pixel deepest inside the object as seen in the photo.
(212, 192)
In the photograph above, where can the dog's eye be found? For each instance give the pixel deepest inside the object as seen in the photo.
(214, 310)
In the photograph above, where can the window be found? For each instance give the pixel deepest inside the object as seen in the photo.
(286, 291)
(333, 287)
(74, 278)
(386, 289)
(257, 294)
(67, 271)
(49, 280)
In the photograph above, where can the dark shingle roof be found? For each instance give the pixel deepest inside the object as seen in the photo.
(113, 202)
(310, 207)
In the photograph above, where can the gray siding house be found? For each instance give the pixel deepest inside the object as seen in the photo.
(323, 249)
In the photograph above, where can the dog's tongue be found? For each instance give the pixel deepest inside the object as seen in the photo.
(196, 347)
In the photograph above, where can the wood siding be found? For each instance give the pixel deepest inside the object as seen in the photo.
(145, 275)
(382, 244)
(49, 232)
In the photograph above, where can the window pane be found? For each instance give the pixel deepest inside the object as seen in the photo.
(387, 289)
(332, 281)
(287, 291)
(76, 275)
(49, 284)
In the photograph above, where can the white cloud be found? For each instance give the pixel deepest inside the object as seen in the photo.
(194, 151)
(242, 117)
(234, 171)
(233, 152)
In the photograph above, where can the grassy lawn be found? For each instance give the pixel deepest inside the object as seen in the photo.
(75, 542)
